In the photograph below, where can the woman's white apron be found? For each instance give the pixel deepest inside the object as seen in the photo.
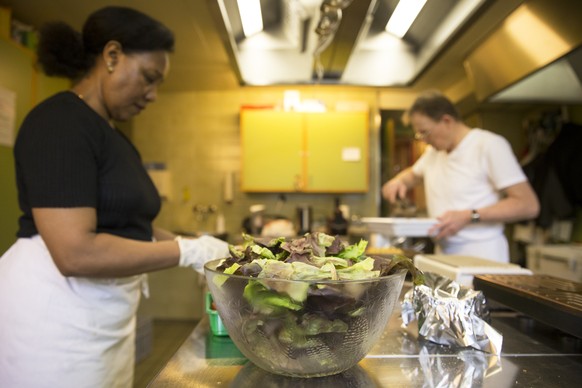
(58, 331)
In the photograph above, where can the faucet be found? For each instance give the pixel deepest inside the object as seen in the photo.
(203, 211)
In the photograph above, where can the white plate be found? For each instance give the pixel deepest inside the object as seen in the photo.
(401, 227)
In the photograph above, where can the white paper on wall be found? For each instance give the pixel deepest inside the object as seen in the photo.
(7, 116)
(351, 154)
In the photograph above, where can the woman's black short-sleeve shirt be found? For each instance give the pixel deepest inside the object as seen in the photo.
(67, 156)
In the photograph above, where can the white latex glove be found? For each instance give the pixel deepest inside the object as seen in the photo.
(196, 252)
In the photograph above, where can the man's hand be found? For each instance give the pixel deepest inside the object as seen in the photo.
(449, 223)
(394, 190)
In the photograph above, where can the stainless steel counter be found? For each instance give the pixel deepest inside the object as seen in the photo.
(533, 355)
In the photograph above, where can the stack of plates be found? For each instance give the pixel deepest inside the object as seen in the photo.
(401, 227)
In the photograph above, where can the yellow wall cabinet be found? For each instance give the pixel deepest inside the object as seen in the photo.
(304, 152)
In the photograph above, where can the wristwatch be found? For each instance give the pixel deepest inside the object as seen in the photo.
(475, 217)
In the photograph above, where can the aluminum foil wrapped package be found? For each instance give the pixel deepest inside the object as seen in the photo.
(450, 314)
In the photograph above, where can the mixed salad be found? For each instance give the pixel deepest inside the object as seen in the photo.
(303, 313)
(314, 256)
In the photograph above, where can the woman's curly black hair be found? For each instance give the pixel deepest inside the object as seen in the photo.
(64, 52)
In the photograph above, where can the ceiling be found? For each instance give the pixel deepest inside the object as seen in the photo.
(207, 55)
(340, 41)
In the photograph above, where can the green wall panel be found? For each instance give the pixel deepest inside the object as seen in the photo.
(17, 74)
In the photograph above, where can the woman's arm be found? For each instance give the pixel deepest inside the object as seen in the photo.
(163, 234)
(78, 250)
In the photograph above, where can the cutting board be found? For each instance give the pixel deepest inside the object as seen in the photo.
(462, 268)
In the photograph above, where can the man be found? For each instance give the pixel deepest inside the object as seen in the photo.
(473, 181)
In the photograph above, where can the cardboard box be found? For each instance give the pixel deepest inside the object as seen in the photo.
(559, 260)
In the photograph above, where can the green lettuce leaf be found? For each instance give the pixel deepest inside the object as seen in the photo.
(263, 252)
(220, 279)
(266, 301)
(360, 270)
(337, 261)
(354, 252)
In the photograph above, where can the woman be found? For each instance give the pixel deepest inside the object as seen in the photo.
(472, 181)
(70, 285)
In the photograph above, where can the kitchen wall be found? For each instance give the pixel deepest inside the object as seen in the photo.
(197, 136)
(19, 76)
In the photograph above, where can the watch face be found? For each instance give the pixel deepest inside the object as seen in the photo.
(475, 217)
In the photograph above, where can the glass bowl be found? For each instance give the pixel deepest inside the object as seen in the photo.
(304, 328)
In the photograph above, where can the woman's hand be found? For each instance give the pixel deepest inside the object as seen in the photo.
(195, 252)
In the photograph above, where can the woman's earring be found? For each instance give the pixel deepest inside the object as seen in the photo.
(110, 67)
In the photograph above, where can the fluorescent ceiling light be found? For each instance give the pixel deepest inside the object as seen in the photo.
(404, 14)
(251, 16)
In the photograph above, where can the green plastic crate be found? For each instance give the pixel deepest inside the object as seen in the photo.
(216, 325)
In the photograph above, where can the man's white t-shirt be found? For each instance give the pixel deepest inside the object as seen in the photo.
(470, 177)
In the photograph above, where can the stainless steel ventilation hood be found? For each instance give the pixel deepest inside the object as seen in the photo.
(535, 55)
(360, 53)
(560, 82)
